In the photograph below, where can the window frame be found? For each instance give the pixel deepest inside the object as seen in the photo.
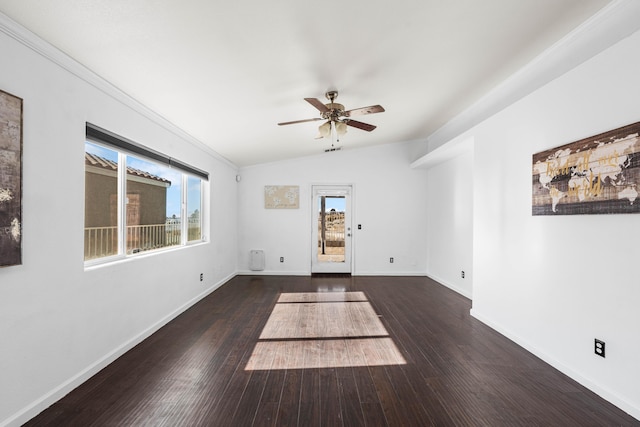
(122, 147)
(185, 202)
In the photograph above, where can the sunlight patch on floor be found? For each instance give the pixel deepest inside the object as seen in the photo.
(323, 330)
(322, 297)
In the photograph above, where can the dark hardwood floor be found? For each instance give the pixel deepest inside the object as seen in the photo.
(458, 372)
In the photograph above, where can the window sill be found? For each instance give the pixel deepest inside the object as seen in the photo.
(98, 263)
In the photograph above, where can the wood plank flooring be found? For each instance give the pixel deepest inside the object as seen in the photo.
(197, 370)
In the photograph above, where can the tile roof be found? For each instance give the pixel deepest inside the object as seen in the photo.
(101, 162)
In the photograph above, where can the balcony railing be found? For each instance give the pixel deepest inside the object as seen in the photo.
(147, 237)
(334, 229)
(100, 242)
(103, 241)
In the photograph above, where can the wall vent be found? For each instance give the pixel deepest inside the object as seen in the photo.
(256, 260)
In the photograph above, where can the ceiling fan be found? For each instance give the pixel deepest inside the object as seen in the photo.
(336, 117)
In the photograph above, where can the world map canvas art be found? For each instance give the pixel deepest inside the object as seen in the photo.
(10, 179)
(596, 175)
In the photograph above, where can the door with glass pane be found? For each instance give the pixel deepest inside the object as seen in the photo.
(331, 229)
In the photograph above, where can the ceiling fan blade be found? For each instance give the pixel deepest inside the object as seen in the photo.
(300, 121)
(318, 104)
(360, 125)
(364, 110)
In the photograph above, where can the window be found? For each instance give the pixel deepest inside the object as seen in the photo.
(194, 206)
(153, 205)
(137, 200)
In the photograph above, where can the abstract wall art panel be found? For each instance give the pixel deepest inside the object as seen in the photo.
(10, 180)
(281, 197)
(596, 175)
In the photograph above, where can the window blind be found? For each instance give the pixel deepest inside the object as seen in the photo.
(98, 134)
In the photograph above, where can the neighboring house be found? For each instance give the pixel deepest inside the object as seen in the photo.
(146, 206)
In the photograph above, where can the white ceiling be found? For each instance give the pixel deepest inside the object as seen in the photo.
(226, 72)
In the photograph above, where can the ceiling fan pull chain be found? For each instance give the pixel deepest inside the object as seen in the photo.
(333, 131)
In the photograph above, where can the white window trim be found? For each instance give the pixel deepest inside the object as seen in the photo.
(121, 212)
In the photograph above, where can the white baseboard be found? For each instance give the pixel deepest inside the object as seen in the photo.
(273, 273)
(308, 273)
(390, 273)
(451, 286)
(603, 392)
(48, 399)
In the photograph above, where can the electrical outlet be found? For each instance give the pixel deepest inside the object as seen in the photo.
(462, 274)
(281, 259)
(201, 277)
(599, 347)
(391, 260)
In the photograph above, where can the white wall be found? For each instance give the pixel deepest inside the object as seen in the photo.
(553, 284)
(450, 221)
(59, 323)
(388, 201)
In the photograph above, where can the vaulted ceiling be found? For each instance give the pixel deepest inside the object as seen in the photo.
(227, 72)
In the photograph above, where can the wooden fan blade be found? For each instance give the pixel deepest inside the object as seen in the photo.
(300, 121)
(318, 104)
(360, 125)
(364, 110)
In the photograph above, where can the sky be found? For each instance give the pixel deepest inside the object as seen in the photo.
(336, 203)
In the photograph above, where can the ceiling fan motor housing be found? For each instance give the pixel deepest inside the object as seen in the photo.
(335, 110)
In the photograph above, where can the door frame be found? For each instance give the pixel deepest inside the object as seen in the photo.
(338, 190)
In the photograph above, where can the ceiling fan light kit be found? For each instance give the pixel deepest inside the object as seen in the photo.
(337, 119)
(325, 130)
(341, 128)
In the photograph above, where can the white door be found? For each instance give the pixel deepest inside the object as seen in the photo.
(331, 225)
